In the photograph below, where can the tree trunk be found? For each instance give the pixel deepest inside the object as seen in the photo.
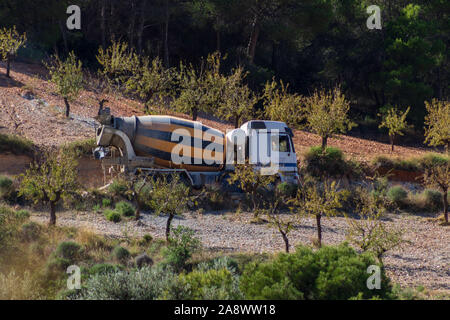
(62, 27)
(52, 221)
(251, 48)
(445, 200)
(132, 24)
(236, 122)
(66, 102)
(194, 113)
(391, 139)
(169, 221)
(103, 22)
(286, 241)
(324, 142)
(8, 64)
(166, 36)
(141, 27)
(319, 230)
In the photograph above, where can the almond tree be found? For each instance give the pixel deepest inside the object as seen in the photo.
(439, 177)
(326, 114)
(67, 75)
(51, 180)
(437, 123)
(10, 42)
(238, 100)
(280, 105)
(395, 121)
(170, 196)
(368, 232)
(200, 88)
(319, 201)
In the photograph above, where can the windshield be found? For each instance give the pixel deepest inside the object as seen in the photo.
(280, 143)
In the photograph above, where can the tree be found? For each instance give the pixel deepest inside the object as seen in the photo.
(118, 62)
(284, 223)
(67, 75)
(280, 105)
(237, 100)
(170, 196)
(318, 201)
(251, 182)
(150, 80)
(10, 42)
(326, 114)
(439, 176)
(368, 232)
(200, 89)
(53, 179)
(437, 130)
(395, 121)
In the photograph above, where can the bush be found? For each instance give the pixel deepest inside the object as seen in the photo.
(104, 268)
(106, 202)
(112, 215)
(30, 231)
(181, 246)
(82, 147)
(68, 250)
(23, 214)
(140, 284)
(143, 260)
(118, 187)
(328, 273)
(212, 284)
(287, 189)
(433, 199)
(121, 254)
(10, 224)
(125, 209)
(15, 144)
(397, 195)
(329, 161)
(5, 185)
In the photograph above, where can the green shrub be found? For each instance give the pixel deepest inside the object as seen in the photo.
(328, 273)
(68, 250)
(329, 161)
(10, 224)
(56, 266)
(433, 198)
(30, 231)
(147, 238)
(287, 189)
(121, 254)
(125, 209)
(397, 195)
(181, 246)
(23, 214)
(112, 215)
(140, 284)
(15, 144)
(82, 147)
(118, 187)
(211, 284)
(412, 164)
(5, 185)
(433, 159)
(96, 208)
(104, 268)
(106, 202)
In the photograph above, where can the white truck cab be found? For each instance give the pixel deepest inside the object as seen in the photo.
(268, 147)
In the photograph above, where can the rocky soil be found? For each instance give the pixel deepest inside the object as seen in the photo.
(425, 260)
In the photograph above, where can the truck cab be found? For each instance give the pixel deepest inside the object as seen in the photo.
(268, 147)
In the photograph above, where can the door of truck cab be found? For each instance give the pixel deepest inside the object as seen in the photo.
(282, 151)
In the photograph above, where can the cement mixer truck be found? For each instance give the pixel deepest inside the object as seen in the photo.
(200, 154)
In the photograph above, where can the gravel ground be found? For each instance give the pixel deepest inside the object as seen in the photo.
(424, 261)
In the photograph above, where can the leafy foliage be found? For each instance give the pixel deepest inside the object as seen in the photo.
(53, 179)
(437, 129)
(182, 244)
(10, 42)
(67, 75)
(327, 114)
(395, 121)
(328, 273)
